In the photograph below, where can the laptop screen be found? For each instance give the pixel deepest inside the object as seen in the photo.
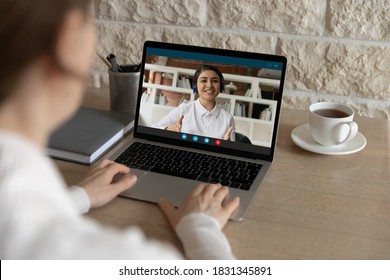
(216, 100)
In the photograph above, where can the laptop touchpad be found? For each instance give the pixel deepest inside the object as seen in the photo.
(153, 187)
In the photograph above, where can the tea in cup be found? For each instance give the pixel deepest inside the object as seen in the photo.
(331, 123)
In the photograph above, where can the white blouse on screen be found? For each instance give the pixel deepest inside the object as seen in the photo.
(199, 121)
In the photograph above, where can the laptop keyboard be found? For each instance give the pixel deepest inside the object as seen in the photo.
(191, 165)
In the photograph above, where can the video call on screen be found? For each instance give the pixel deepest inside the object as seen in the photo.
(250, 96)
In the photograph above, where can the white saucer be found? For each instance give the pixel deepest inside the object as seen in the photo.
(302, 138)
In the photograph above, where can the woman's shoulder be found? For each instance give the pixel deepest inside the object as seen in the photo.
(186, 106)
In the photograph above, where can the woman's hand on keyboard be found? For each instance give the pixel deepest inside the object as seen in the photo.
(102, 183)
(205, 198)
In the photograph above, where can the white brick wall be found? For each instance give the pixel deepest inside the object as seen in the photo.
(336, 49)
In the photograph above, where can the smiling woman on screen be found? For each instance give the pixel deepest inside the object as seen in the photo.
(47, 48)
(202, 117)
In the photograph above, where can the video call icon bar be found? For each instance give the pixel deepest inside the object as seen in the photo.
(196, 138)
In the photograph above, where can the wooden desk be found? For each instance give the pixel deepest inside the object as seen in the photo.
(310, 207)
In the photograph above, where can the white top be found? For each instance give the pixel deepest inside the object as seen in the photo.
(199, 121)
(40, 218)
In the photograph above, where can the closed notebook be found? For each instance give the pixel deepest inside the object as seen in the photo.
(89, 134)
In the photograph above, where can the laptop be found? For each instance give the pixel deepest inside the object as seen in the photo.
(169, 164)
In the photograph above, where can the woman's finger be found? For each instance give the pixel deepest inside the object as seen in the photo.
(210, 189)
(198, 189)
(221, 194)
(124, 183)
(104, 163)
(231, 206)
(115, 168)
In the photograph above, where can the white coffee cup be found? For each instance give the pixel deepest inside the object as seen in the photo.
(331, 123)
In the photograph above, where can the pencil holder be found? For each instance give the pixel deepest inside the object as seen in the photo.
(123, 91)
